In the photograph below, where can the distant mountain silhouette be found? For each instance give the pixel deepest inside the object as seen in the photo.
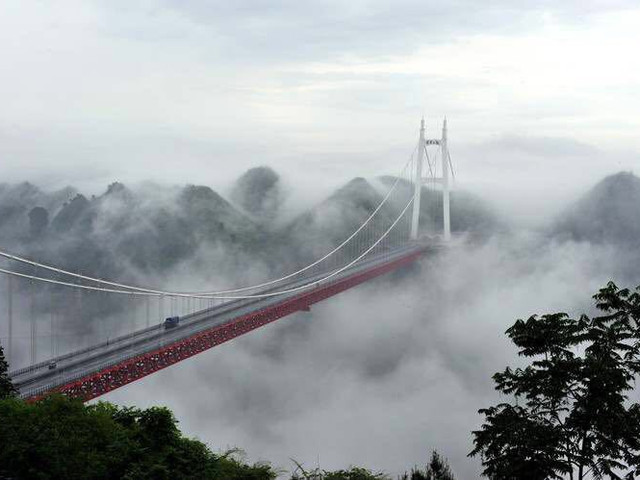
(148, 234)
(74, 216)
(468, 212)
(341, 212)
(326, 225)
(16, 203)
(124, 233)
(259, 192)
(608, 213)
(107, 234)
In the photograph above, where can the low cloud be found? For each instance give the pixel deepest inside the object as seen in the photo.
(383, 373)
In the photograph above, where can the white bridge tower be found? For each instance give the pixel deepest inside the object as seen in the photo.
(419, 180)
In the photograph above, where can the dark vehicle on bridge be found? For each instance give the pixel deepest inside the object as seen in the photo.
(171, 322)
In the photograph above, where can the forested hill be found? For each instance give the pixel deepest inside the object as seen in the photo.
(149, 230)
(608, 213)
(128, 233)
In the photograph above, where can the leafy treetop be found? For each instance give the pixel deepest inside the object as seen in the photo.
(6, 386)
(571, 417)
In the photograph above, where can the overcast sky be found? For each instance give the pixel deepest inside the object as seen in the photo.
(539, 93)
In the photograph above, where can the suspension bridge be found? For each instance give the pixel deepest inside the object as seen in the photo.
(199, 320)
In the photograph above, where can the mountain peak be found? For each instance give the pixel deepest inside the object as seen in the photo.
(609, 212)
(258, 191)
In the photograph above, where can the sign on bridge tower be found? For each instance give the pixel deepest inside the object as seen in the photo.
(419, 180)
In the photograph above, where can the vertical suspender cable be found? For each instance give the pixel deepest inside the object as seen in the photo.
(53, 331)
(10, 315)
(33, 324)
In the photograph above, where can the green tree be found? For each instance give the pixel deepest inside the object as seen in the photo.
(353, 473)
(437, 469)
(6, 386)
(60, 438)
(571, 416)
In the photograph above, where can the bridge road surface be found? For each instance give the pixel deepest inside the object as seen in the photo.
(78, 373)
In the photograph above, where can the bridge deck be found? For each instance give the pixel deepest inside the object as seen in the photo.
(91, 372)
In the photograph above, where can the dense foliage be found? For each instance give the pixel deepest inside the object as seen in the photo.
(437, 469)
(6, 387)
(571, 416)
(353, 473)
(60, 438)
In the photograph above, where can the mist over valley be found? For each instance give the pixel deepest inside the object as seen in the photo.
(363, 379)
